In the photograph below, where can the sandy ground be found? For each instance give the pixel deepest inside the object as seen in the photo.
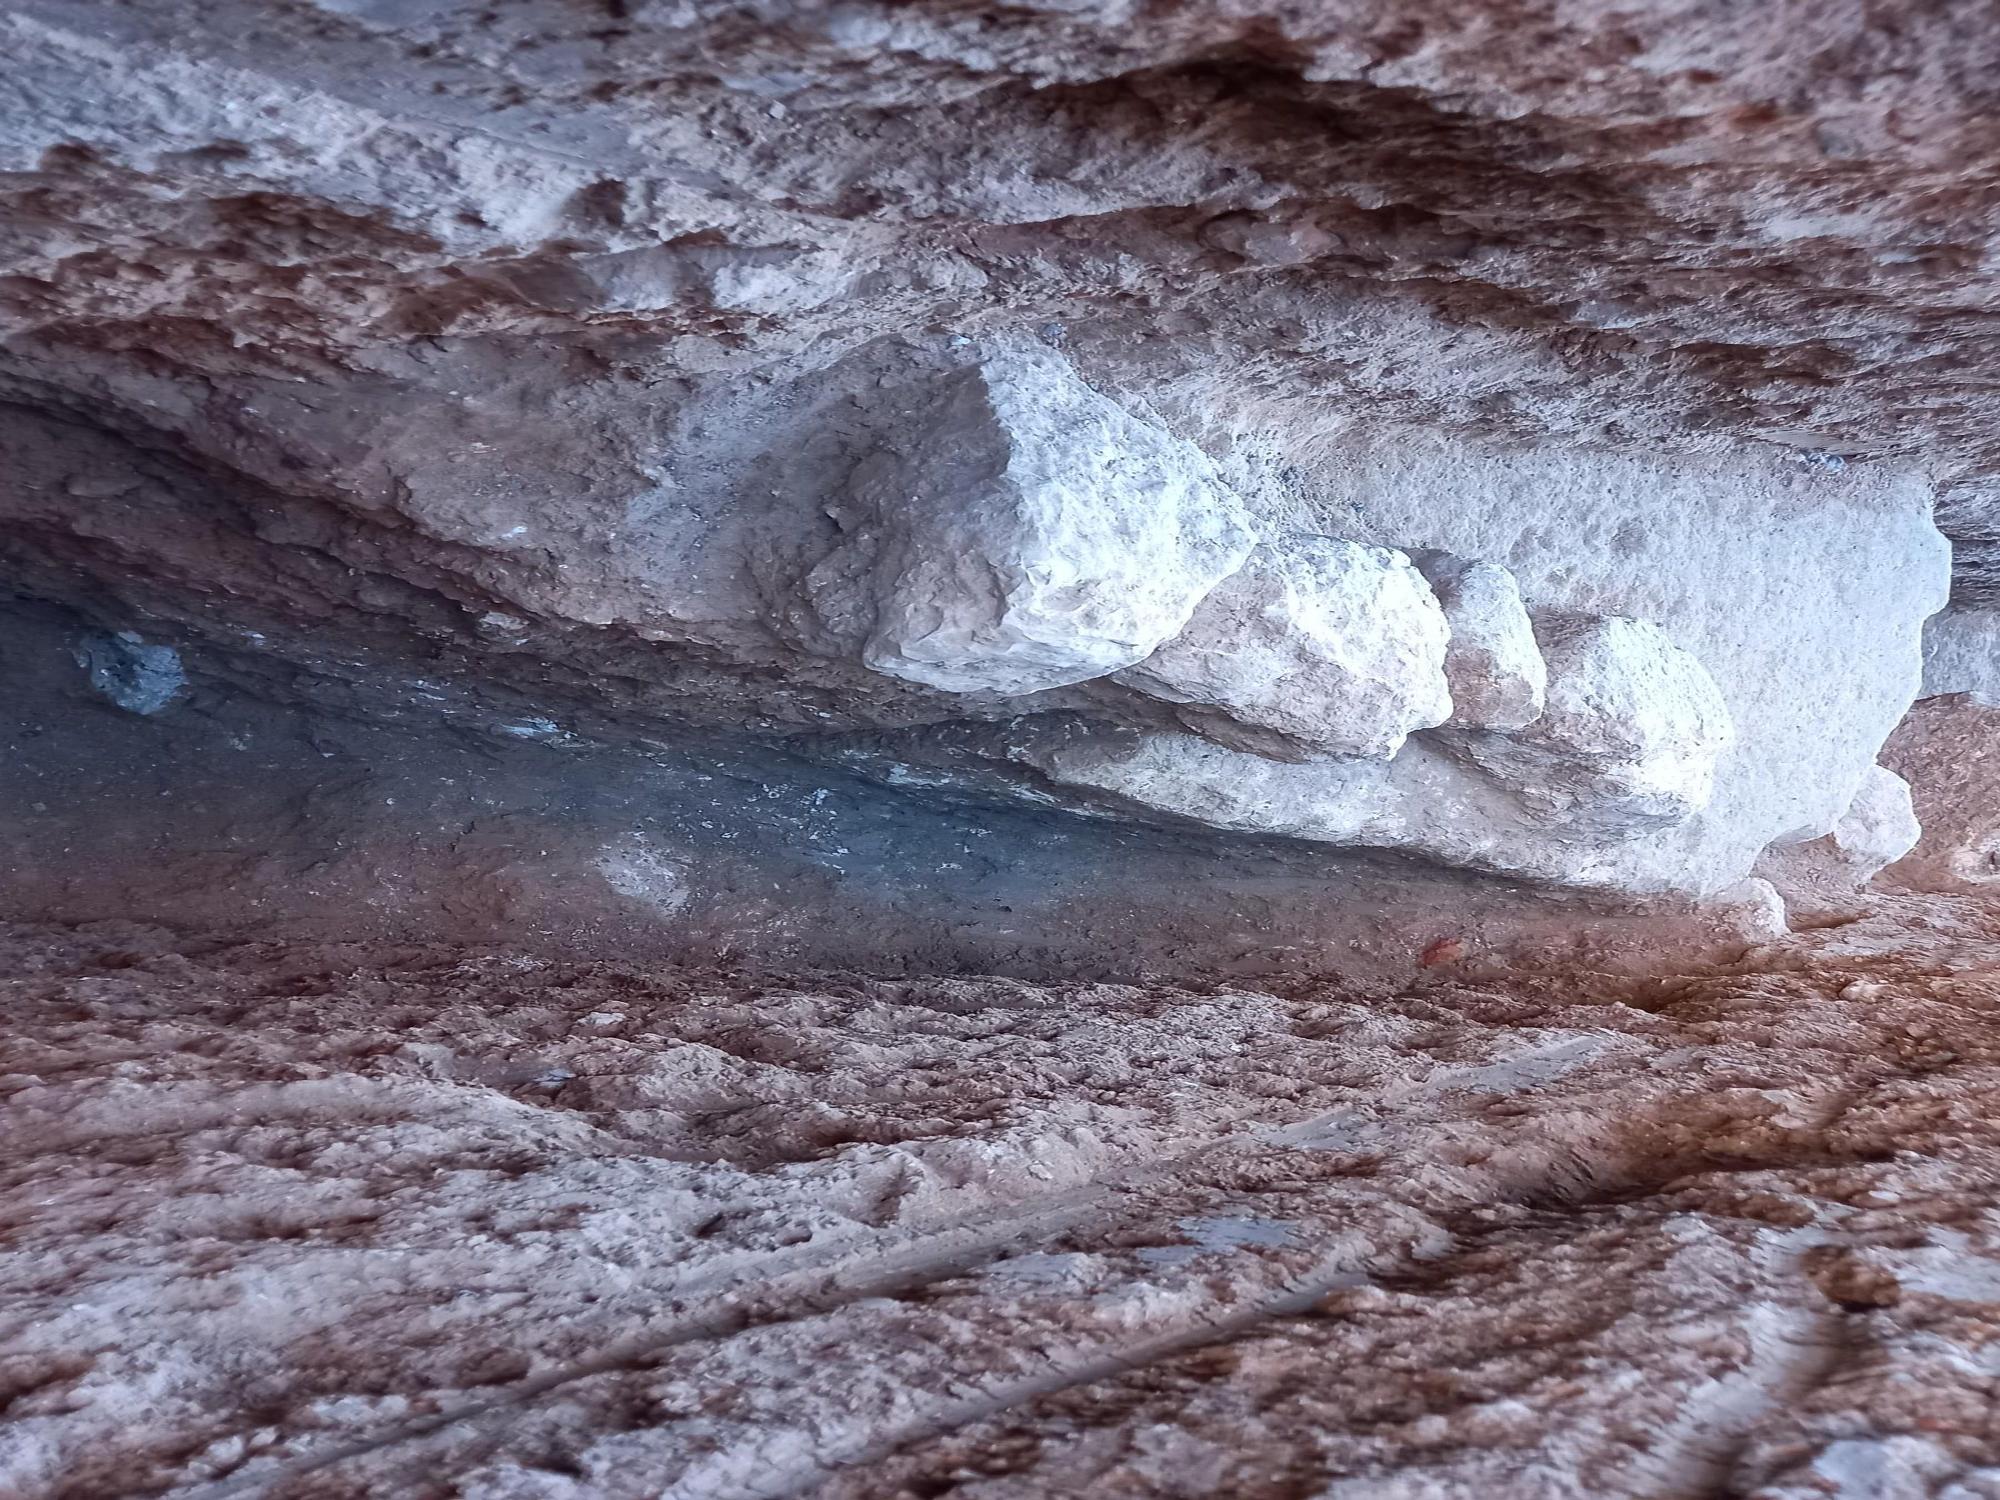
(339, 1221)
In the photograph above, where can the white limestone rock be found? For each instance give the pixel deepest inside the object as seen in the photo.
(1626, 747)
(1631, 734)
(1626, 703)
(1334, 644)
(1962, 654)
(1031, 535)
(1879, 827)
(1421, 803)
(1497, 676)
(1801, 590)
(1751, 911)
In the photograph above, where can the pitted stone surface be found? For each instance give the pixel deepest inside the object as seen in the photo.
(1631, 721)
(623, 1231)
(1492, 662)
(1962, 654)
(1031, 535)
(1334, 644)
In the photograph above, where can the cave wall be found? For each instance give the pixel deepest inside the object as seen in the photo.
(1071, 412)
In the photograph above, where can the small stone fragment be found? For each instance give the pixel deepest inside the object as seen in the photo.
(1962, 654)
(138, 677)
(1879, 827)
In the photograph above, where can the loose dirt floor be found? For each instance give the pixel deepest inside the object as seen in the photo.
(310, 1220)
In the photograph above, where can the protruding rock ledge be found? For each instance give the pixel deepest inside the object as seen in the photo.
(1627, 747)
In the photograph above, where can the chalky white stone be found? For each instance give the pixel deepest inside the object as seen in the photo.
(1335, 644)
(1629, 715)
(1497, 677)
(1627, 747)
(1035, 534)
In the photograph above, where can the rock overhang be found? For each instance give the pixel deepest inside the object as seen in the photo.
(473, 322)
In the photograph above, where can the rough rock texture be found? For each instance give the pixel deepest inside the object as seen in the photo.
(1948, 749)
(333, 1221)
(125, 670)
(1796, 578)
(1336, 645)
(1632, 727)
(1962, 654)
(1879, 828)
(1626, 747)
(547, 353)
(1028, 535)
(902, 748)
(1492, 663)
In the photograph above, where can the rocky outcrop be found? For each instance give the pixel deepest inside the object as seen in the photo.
(1027, 534)
(987, 536)
(1336, 646)
(854, 384)
(1948, 749)
(588, 561)
(1626, 746)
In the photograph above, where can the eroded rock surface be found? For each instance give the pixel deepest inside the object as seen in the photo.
(900, 370)
(1355, 561)
(1631, 728)
(1335, 645)
(1948, 751)
(1028, 534)
(332, 1221)
(1492, 662)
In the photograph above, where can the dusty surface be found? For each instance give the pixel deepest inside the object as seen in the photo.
(332, 1221)
(582, 358)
